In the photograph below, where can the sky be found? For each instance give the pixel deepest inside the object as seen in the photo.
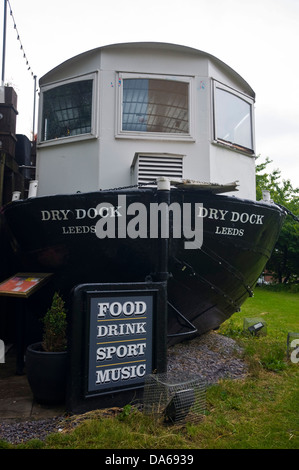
(257, 38)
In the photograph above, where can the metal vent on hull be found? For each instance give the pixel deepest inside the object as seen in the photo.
(148, 168)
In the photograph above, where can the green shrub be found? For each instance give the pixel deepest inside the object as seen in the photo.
(55, 323)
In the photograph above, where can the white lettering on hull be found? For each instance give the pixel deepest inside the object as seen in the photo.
(229, 231)
(187, 221)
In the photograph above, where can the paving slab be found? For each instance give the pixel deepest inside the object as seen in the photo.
(16, 399)
(16, 408)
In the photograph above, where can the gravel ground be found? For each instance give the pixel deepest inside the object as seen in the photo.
(16, 432)
(211, 356)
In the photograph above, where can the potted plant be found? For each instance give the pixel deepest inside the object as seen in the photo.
(46, 361)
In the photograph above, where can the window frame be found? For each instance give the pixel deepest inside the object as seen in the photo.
(94, 110)
(248, 99)
(125, 134)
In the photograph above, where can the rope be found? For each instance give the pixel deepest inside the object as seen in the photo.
(130, 187)
(19, 39)
(288, 212)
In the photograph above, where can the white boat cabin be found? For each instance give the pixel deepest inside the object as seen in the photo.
(124, 114)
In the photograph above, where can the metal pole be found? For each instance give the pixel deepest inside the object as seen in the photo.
(163, 187)
(34, 106)
(4, 43)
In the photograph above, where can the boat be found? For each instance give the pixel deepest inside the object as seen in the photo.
(120, 127)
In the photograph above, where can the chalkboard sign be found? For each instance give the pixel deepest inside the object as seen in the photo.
(117, 337)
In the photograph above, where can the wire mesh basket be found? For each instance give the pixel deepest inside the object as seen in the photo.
(174, 398)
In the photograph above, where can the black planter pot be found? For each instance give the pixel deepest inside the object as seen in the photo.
(46, 374)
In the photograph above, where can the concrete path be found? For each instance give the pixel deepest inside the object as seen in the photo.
(16, 400)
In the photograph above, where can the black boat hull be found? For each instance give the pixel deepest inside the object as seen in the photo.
(207, 284)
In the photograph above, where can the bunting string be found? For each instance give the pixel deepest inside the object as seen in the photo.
(20, 42)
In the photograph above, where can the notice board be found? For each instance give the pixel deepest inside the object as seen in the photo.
(23, 284)
(117, 337)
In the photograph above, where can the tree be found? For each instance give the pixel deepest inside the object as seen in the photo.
(284, 262)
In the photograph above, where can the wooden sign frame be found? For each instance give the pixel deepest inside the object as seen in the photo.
(23, 284)
(81, 395)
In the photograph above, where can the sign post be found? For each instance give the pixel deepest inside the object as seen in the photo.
(116, 339)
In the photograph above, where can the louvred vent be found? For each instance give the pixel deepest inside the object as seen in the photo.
(149, 167)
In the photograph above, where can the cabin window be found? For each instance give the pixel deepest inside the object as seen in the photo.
(155, 106)
(233, 118)
(67, 110)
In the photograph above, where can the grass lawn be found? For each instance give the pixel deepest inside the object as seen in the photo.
(258, 412)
